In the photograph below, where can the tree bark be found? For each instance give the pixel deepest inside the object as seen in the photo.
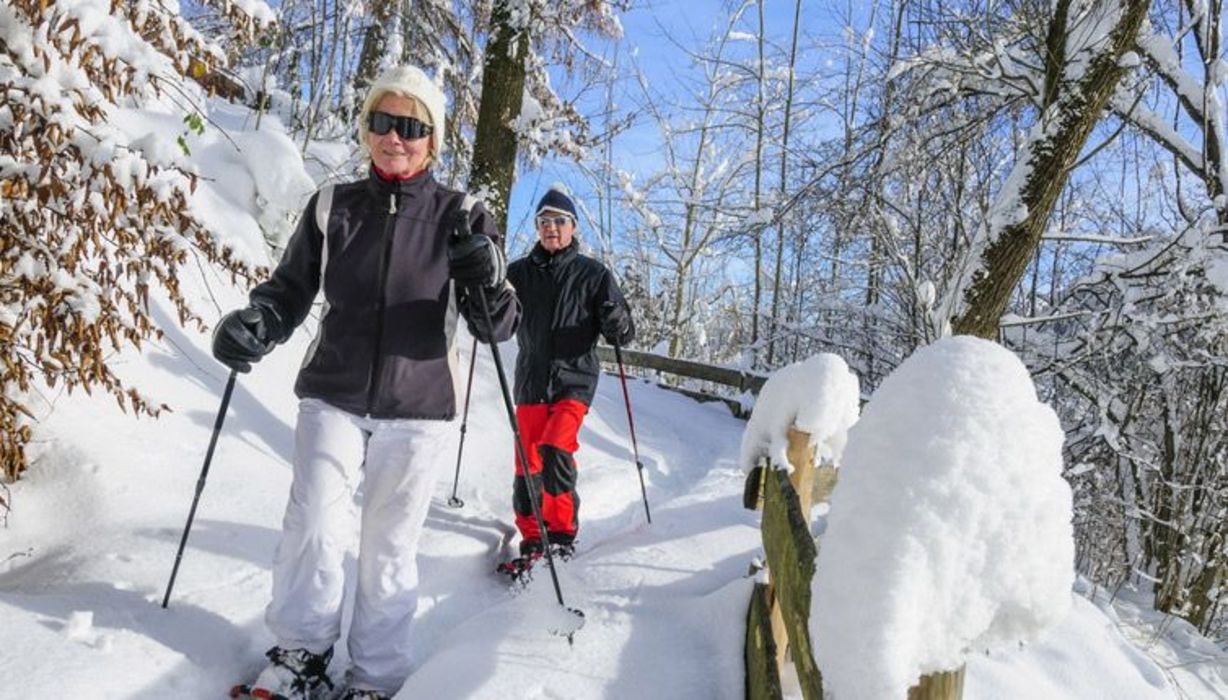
(1071, 111)
(760, 115)
(495, 144)
(374, 45)
(784, 178)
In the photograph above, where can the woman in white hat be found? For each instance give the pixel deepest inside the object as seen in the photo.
(397, 257)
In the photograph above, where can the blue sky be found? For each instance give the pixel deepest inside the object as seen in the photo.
(656, 37)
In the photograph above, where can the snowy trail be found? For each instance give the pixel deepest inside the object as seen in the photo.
(89, 546)
(632, 580)
(82, 604)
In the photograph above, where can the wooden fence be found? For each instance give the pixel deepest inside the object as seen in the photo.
(778, 619)
(740, 381)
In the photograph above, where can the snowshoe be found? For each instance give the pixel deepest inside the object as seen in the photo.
(563, 551)
(520, 569)
(292, 674)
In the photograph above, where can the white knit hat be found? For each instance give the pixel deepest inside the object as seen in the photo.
(407, 81)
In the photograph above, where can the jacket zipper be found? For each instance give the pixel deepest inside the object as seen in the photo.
(385, 263)
(553, 274)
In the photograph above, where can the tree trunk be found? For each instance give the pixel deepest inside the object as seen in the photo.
(374, 46)
(495, 143)
(760, 116)
(1071, 110)
(784, 178)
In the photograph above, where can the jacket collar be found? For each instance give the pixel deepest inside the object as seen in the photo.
(417, 185)
(543, 258)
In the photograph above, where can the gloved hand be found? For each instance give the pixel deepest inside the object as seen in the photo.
(472, 311)
(616, 323)
(244, 336)
(475, 261)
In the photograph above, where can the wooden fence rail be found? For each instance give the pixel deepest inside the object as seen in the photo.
(740, 381)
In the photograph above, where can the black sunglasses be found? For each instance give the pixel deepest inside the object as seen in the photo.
(408, 128)
(558, 221)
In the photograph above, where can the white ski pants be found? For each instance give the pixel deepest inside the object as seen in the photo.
(360, 479)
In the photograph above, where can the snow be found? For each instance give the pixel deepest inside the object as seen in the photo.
(1217, 274)
(971, 546)
(1069, 662)
(242, 171)
(89, 546)
(819, 396)
(759, 217)
(260, 12)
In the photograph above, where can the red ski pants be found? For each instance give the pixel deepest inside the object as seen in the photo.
(549, 434)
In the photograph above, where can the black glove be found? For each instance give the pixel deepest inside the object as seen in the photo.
(473, 258)
(471, 309)
(244, 336)
(616, 323)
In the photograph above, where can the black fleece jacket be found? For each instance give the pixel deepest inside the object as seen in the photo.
(386, 343)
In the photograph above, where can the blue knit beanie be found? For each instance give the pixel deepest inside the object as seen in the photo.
(556, 200)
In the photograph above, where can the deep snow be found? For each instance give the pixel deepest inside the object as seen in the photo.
(89, 546)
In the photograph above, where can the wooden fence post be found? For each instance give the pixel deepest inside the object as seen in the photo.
(784, 611)
(762, 674)
(945, 685)
(801, 458)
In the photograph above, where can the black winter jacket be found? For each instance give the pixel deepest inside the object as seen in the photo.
(386, 346)
(562, 298)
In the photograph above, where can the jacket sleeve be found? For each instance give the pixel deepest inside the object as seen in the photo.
(501, 299)
(289, 292)
(608, 292)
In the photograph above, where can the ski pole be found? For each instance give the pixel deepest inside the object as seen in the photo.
(639, 465)
(462, 230)
(520, 451)
(473, 356)
(200, 482)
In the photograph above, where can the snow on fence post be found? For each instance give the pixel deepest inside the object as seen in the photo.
(951, 530)
(802, 411)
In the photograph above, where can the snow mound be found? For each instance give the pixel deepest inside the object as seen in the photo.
(950, 530)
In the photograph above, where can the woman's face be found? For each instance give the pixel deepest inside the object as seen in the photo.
(391, 153)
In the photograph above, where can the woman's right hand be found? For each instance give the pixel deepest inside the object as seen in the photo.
(243, 337)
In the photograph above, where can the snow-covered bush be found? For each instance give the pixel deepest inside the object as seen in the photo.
(950, 530)
(90, 219)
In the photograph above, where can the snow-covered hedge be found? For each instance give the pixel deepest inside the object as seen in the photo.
(91, 218)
